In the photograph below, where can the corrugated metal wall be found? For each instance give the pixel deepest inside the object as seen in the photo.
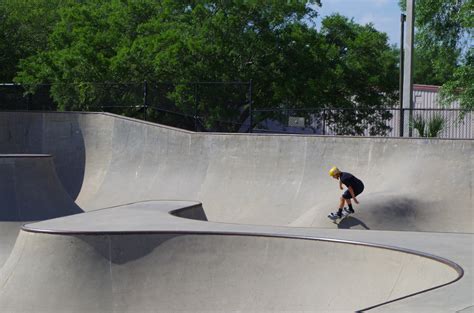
(457, 124)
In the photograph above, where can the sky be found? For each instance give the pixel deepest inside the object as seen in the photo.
(384, 14)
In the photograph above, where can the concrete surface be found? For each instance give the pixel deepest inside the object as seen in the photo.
(8, 234)
(258, 179)
(170, 273)
(419, 186)
(30, 189)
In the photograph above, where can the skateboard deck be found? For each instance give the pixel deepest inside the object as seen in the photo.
(339, 219)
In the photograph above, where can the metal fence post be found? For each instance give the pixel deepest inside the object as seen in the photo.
(250, 108)
(145, 96)
(28, 101)
(196, 106)
(324, 121)
(410, 121)
(402, 121)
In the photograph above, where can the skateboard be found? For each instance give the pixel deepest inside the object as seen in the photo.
(338, 219)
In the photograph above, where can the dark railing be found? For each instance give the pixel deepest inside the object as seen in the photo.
(198, 106)
(228, 107)
(386, 122)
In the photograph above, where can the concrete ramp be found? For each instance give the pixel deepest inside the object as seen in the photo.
(8, 234)
(260, 241)
(192, 273)
(111, 260)
(30, 189)
(411, 184)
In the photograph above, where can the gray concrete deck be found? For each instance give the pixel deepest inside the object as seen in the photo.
(153, 217)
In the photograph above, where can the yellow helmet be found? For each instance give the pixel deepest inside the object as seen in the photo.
(333, 171)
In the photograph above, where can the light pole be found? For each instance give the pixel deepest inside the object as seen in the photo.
(402, 55)
(408, 65)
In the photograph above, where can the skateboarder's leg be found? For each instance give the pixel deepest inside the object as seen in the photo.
(349, 205)
(341, 206)
(341, 203)
(346, 197)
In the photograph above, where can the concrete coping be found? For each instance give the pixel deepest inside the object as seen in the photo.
(24, 156)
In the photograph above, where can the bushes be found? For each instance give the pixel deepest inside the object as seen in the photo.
(432, 128)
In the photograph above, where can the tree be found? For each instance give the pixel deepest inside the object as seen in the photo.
(25, 26)
(361, 75)
(95, 44)
(179, 42)
(443, 47)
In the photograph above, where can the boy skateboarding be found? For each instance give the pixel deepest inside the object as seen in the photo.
(354, 187)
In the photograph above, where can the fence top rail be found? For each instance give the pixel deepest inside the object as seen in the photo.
(360, 109)
(135, 83)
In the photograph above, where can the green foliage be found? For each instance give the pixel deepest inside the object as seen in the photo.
(291, 64)
(432, 128)
(461, 87)
(443, 47)
(25, 26)
(361, 73)
(435, 126)
(420, 125)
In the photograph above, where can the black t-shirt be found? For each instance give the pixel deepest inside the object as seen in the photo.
(351, 181)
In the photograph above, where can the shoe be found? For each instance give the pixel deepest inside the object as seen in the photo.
(334, 216)
(349, 210)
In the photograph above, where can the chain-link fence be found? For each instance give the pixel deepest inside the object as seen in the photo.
(228, 107)
(14, 97)
(386, 122)
(200, 106)
(442, 123)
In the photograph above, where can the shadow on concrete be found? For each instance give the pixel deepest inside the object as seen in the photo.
(57, 133)
(124, 248)
(351, 222)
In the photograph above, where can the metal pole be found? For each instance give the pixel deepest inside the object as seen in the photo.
(408, 65)
(324, 121)
(250, 108)
(195, 106)
(145, 96)
(402, 55)
(28, 101)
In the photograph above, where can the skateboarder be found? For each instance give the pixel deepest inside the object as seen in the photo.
(354, 187)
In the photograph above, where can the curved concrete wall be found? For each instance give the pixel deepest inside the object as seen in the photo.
(104, 160)
(169, 272)
(411, 184)
(30, 190)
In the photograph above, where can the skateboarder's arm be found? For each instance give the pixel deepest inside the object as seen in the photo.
(340, 184)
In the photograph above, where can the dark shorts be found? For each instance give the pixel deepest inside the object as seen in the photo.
(357, 191)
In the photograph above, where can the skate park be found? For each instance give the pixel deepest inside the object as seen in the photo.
(105, 213)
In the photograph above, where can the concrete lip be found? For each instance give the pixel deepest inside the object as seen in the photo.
(154, 218)
(5, 156)
(140, 217)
